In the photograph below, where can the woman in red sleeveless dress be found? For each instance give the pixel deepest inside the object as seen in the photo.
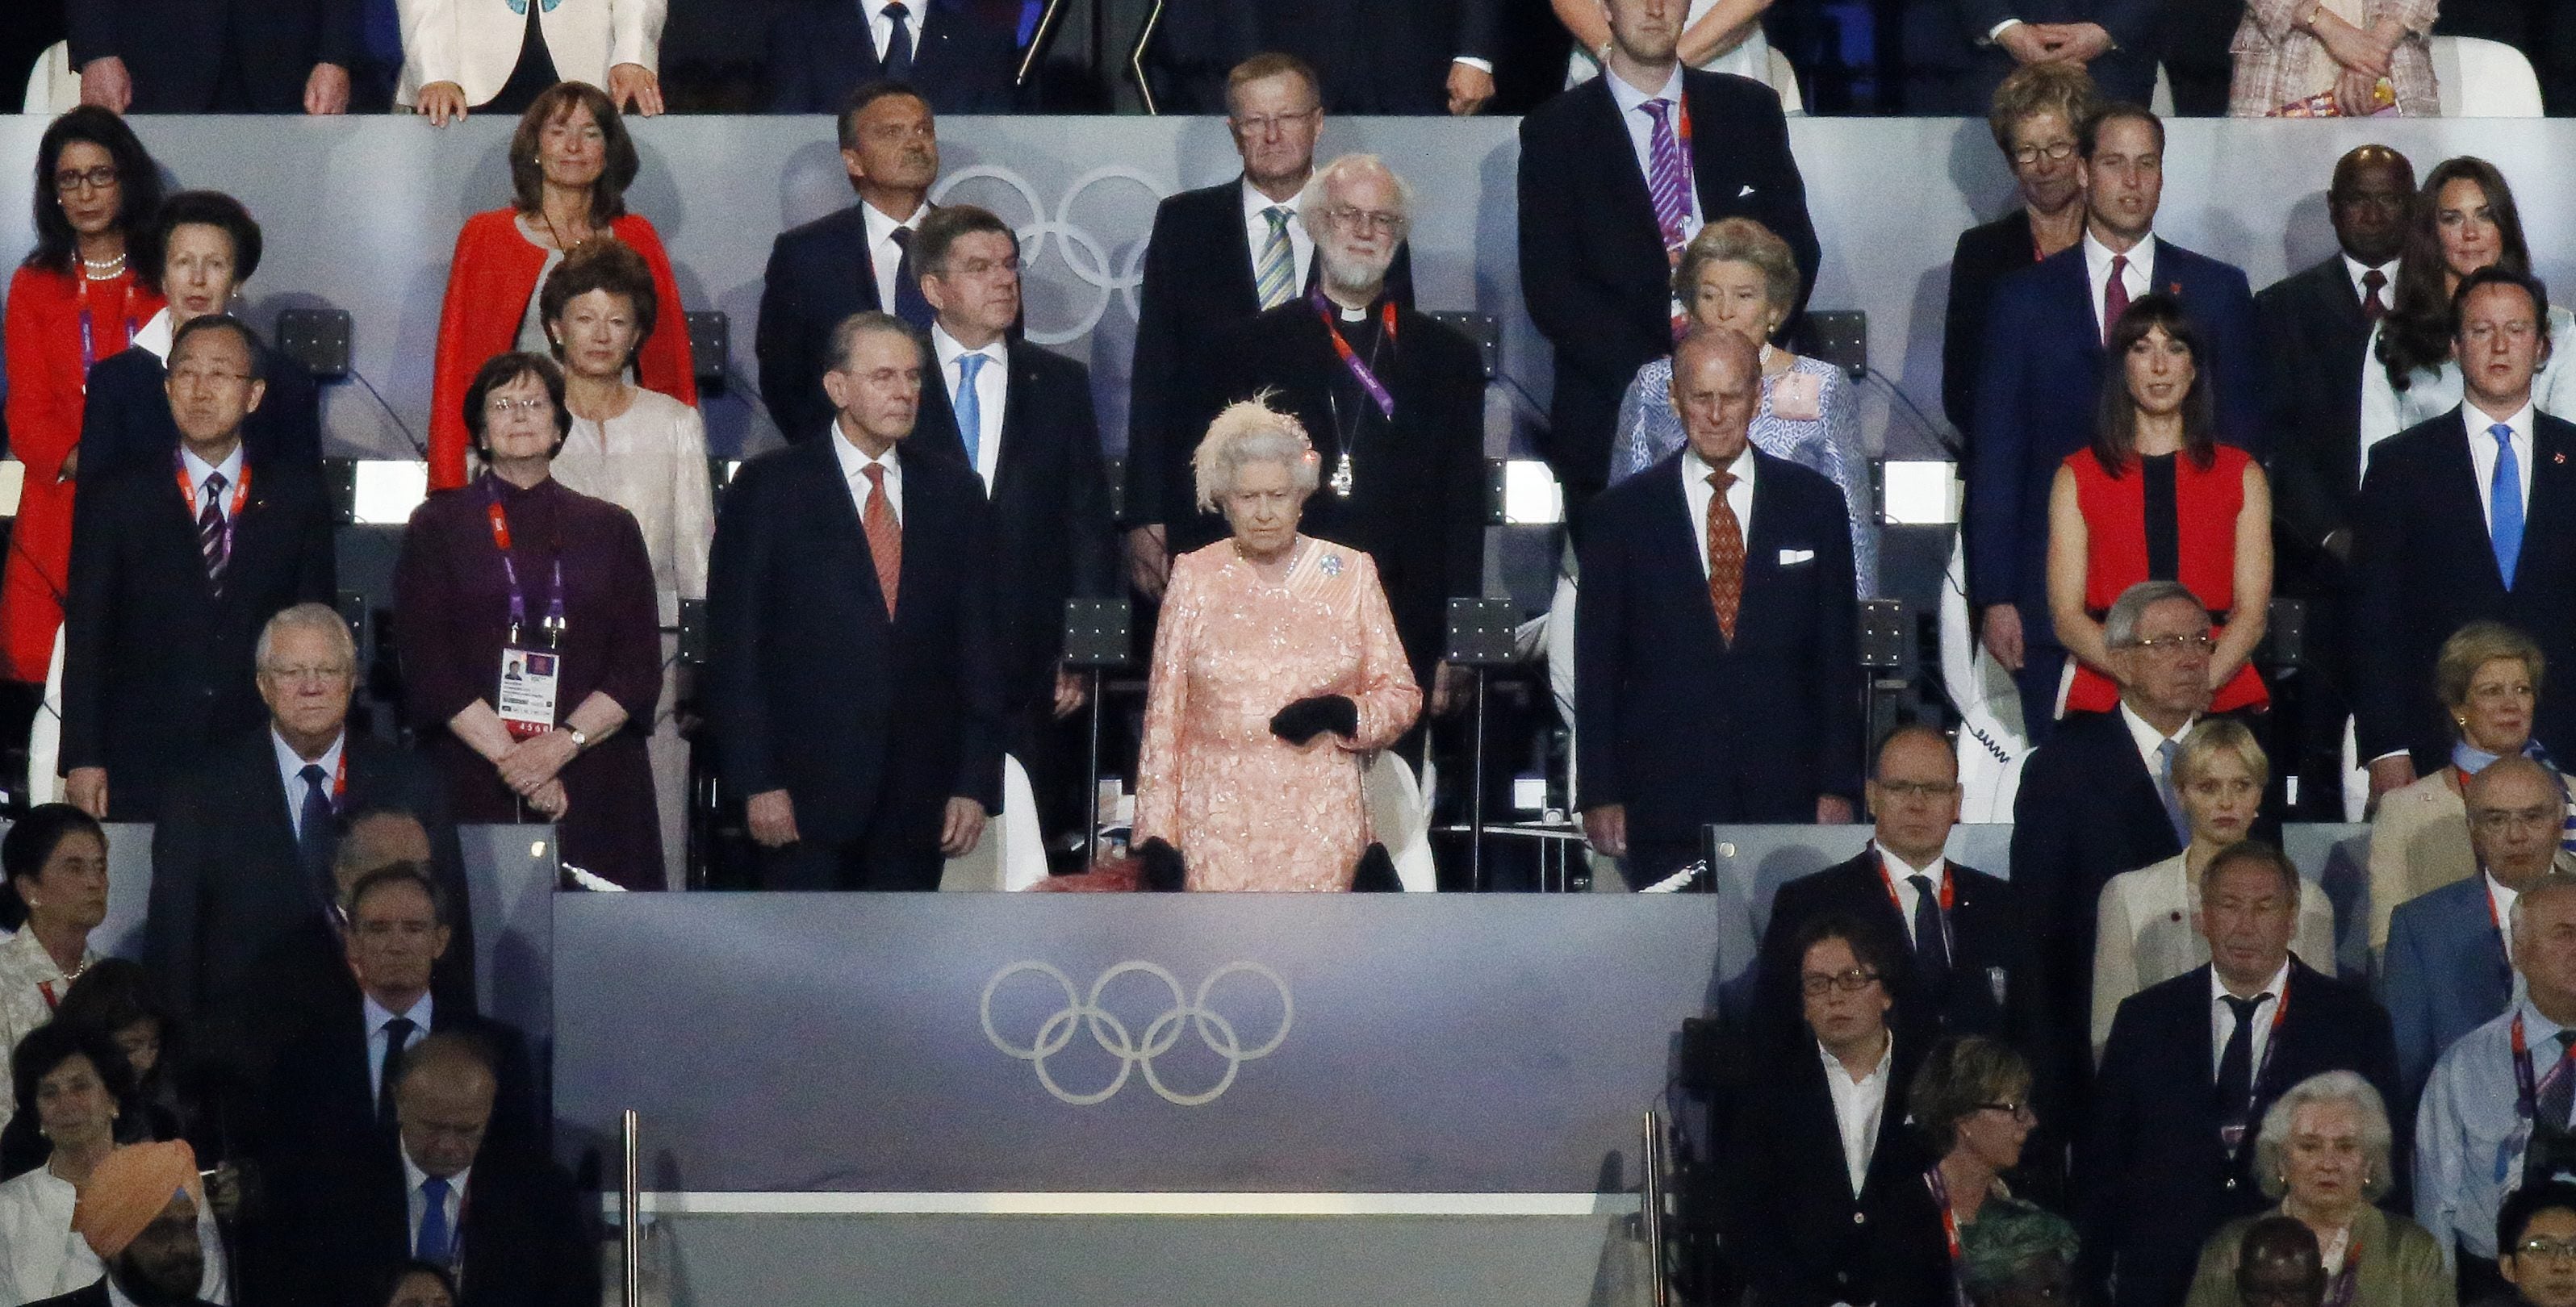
(2158, 499)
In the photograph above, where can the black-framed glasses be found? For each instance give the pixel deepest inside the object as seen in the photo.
(2018, 1111)
(2054, 151)
(97, 179)
(1849, 982)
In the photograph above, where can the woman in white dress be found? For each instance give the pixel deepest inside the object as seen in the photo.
(644, 452)
(56, 860)
(1719, 36)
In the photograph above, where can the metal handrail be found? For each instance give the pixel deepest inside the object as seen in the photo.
(1038, 42)
(1136, 56)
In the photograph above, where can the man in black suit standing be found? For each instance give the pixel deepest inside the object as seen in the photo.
(1021, 417)
(1719, 684)
(2166, 1160)
(2470, 515)
(2315, 327)
(822, 50)
(1218, 256)
(172, 578)
(1616, 176)
(1958, 51)
(858, 260)
(852, 686)
(1420, 57)
(227, 56)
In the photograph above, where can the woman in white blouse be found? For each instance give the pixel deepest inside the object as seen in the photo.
(2149, 923)
(644, 452)
(56, 861)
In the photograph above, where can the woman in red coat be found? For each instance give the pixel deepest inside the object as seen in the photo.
(2157, 498)
(570, 164)
(73, 302)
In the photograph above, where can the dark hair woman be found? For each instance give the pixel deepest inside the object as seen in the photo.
(56, 861)
(2464, 219)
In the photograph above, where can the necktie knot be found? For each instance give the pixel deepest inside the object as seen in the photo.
(901, 236)
(313, 776)
(1922, 886)
(434, 1189)
(970, 364)
(2373, 280)
(215, 486)
(875, 473)
(2503, 434)
(1278, 216)
(1721, 482)
(1659, 109)
(896, 11)
(2244, 1008)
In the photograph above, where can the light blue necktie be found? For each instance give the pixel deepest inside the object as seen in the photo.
(2165, 790)
(434, 1236)
(970, 405)
(2504, 512)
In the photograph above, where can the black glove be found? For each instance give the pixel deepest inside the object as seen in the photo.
(1160, 869)
(1376, 873)
(1307, 718)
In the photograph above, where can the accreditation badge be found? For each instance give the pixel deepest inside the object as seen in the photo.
(526, 700)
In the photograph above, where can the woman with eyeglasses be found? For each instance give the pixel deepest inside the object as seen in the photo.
(2034, 118)
(2157, 498)
(2324, 1153)
(74, 301)
(531, 648)
(2149, 920)
(1970, 1101)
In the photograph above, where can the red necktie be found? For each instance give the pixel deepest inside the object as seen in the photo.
(2373, 308)
(1725, 556)
(885, 536)
(2115, 297)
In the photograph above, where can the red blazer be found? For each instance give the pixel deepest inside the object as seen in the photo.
(2115, 517)
(488, 285)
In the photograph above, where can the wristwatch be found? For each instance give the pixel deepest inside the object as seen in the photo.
(580, 738)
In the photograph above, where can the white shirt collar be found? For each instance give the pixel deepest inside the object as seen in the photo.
(854, 463)
(155, 336)
(199, 469)
(2098, 256)
(418, 1014)
(290, 764)
(1900, 869)
(1695, 470)
(1254, 201)
(1628, 98)
(2146, 737)
(2278, 985)
(2354, 269)
(1834, 1065)
(881, 228)
(414, 1178)
(2477, 420)
(948, 351)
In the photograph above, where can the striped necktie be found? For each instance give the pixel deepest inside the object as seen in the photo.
(1667, 180)
(215, 531)
(1278, 274)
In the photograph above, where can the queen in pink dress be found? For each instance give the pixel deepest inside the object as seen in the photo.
(1277, 672)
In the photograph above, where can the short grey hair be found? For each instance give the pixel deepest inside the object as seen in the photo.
(319, 618)
(2551, 884)
(2121, 627)
(2272, 1144)
(845, 335)
(1251, 432)
(1318, 193)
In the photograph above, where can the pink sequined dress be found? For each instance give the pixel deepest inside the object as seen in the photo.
(1248, 810)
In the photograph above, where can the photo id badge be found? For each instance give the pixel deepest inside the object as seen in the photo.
(527, 698)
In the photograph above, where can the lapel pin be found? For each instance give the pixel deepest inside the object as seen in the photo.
(2559, 457)
(2174, 287)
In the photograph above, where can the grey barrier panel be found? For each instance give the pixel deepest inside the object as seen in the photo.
(1384, 1043)
(129, 890)
(1755, 861)
(2337, 858)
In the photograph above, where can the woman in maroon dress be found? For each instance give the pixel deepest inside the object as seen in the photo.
(529, 638)
(2157, 498)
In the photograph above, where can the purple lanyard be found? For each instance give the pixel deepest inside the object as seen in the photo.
(510, 570)
(1360, 371)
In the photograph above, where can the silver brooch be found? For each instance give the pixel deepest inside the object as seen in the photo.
(1332, 564)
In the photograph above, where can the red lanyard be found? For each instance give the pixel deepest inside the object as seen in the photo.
(1360, 370)
(2527, 1086)
(1949, 1232)
(510, 570)
(1949, 887)
(188, 490)
(2271, 1047)
(89, 334)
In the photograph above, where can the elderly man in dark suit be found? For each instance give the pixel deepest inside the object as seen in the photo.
(1715, 672)
(855, 701)
(2191, 1067)
(2469, 515)
(172, 580)
(822, 50)
(1219, 256)
(2042, 377)
(1957, 51)
(1021, 417)
(227, 56)
(857, 260)
(1616, 176)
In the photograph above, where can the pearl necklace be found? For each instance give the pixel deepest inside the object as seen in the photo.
(108, 270)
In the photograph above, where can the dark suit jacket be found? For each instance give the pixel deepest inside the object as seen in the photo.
(2155, 1179)
(1373, 58)
(157, 667)
(2315, 345)
(1685, 729)
(340, 1222)
(176, 50)
(2036, 397)
(1052, 538)
(1418, 482)
(1593, 269)
(2444, 975)
(1984, 257)
(2423, 568)
(320, 1101)
(126, 419)
(1198, 283)
(1955, 71)
(1802, 1238)
(820, 51)
(812, 687)
(818, 274)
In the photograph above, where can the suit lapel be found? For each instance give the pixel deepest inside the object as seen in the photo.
(1234, 243)
(1685, 550)
(1761, 548)
(2455, 480)
(1626, 195)
(2553, 493)
(920, 507)
(837, 513)
(1017, 378)
(2085, 326)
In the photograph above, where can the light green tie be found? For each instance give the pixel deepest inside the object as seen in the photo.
(1278, 278)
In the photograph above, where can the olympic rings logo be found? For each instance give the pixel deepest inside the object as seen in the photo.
(1161, 1035)
(1083, 253)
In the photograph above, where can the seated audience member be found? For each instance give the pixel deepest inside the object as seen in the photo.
(2158, 498)
(116, 996)
(2279, 1265)
(821, 50)
(503, 63)
(56, 860)
(1715, 37)
(272, 56)
(571, 162)
(850, 682)
(2338, 58)
(1826, 1200)
(853, 260)
(1021, 416)
(2316, 327)
(200, 248)
(2466, 517)
(2326, 1152)
(1720, 684)
(446, 1189)
(1736, 276)
(2018, 1256)
(1971, 1101)
(417, 1284)
(149, 1248)
(1393, 400)
(1277, 671)
(2049, 340)
(2448, 969)
(75, 1080)
(161, 617)
(2034, 116)
(239, 935)
(2537, 1233)
(2169, 1154)
(2488, 677)
(1957, 51)
(528, 669)
(646, 453)
(2148, 926)
(2497, 1114)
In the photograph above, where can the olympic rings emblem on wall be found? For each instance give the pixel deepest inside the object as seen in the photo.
(1085, 255)
(1161, 1035)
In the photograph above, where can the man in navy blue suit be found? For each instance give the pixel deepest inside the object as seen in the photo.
(822, 50)
(1716, 678)
(2042, 378)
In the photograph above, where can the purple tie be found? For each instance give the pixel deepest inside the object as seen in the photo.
(1667, 175)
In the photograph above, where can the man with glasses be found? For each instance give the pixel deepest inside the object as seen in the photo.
(2536, 1233)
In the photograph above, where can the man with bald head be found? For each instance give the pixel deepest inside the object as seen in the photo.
(1717, 683)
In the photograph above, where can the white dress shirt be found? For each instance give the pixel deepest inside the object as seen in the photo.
(1256, 229)
(2482, 453)
(2139, 276)
(854, 470)
(199, 469)
(1898, 872)
(2500, 896)
(2147, 740)
(885, 258)
(1641, 133)
(290, 772)
(916, 15)
(416, 1203)
(1859, 1105)
(992, 390)
(378, 1038)
(1697, 492)
(2222, 1019)
(2354, 269)
(155, 336)
(40, 1256)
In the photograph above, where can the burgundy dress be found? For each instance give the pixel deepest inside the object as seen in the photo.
(452, 615)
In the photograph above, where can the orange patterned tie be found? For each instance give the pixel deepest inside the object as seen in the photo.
(885, 536)
(1725, 556)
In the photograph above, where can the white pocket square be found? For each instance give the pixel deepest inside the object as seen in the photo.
(1793, 557)
(1742, 193)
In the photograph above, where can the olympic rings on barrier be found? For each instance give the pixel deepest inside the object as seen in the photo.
(1083, 253)
(1161, 1035)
